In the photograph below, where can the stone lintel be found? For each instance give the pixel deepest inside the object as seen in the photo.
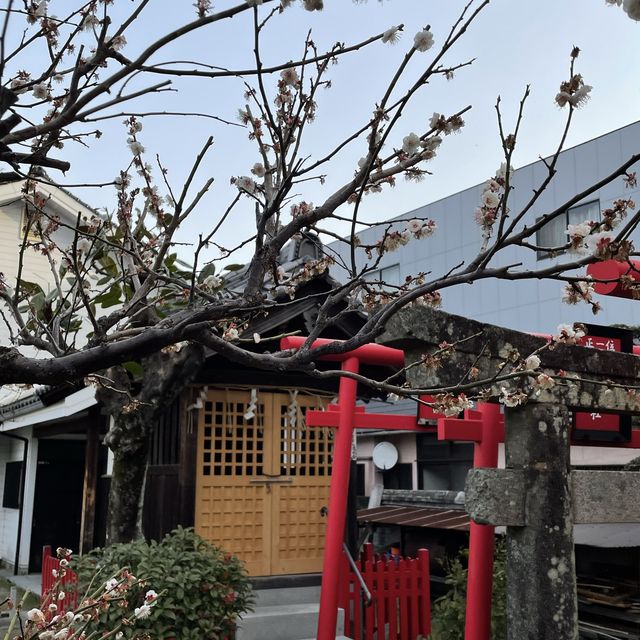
(419, 330)
(498, 496)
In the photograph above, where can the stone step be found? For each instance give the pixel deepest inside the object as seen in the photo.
(287, 595)
(284, 622)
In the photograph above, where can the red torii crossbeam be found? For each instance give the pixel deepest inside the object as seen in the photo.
(346, 419)
(485, 428)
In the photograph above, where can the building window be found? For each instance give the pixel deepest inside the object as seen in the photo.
(554, 233)
(443, 465)
(385, 276)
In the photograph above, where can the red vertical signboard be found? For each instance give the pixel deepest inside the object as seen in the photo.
(596, 425)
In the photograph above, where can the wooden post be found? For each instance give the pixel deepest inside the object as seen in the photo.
(541, 575)
(87, 522)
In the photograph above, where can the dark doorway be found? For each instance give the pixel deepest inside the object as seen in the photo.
(57, 506)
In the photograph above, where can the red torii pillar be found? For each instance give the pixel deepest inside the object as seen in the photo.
(367, 354)
(485, 428)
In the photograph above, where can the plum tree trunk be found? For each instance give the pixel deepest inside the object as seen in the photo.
(135, 407)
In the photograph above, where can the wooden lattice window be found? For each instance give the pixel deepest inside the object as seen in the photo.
(304, 451)
(233, 445)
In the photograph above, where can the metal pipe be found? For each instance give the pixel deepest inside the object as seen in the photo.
(354, 567)
(23, 478)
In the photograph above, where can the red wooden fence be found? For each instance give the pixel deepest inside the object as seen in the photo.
(400, 608)
(68, 583)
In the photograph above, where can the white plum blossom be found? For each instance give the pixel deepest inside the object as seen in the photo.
(62, 634)
(581, 95)
(150, 596)
(431, 143)
(35, 615)
(391, 35)
(143, 611)
(580, 291)
(40, 91)
(598, 243)
(258, 170)
(83, 245)
(574, 92)
(411, 144)
(423, 40)
(41, 9)
(244, 183)
(532, 362)
(290, 76)
(256, 338)
(435, 120)
(490, 199)
(89, 21)
(510, 398)
(118, 43)
(420, 228)
(543, 381)
(135, 147)
(577, 233)
(567, 334)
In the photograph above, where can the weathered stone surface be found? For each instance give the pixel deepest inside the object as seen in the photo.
(606, 496)
(418, 330)
(541, 576)
(498, 496)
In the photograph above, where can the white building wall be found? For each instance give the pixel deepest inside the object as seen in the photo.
(524, 305)
(12, 450)
(35, 266)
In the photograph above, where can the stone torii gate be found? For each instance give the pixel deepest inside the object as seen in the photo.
(537, 496)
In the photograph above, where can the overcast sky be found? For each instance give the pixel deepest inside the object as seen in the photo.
(515, 43)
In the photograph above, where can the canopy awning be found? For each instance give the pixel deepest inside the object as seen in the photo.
(430, 518)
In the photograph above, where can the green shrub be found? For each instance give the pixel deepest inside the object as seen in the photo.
(448, 616)
(202, 589)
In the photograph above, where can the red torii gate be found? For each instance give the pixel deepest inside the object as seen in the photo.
(484, 427)
(346, 418)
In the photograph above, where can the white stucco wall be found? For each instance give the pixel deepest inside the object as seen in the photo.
(35, 266)
(11, 450)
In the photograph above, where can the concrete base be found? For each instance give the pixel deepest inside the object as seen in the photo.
(285, 614)
(284, 622)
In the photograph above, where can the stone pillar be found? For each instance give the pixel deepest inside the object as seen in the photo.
(541, 575)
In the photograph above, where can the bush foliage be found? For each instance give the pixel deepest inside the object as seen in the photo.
(448, 617)
(203, 589)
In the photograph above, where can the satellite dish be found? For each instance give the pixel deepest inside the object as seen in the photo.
(385, 455)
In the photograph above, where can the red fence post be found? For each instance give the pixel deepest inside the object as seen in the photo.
(425, 592)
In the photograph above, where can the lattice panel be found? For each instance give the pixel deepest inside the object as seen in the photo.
(303, 451)
(302, 528)
(236, 520)
(232, 445)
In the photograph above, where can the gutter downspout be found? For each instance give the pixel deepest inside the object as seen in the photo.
(23, 480)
